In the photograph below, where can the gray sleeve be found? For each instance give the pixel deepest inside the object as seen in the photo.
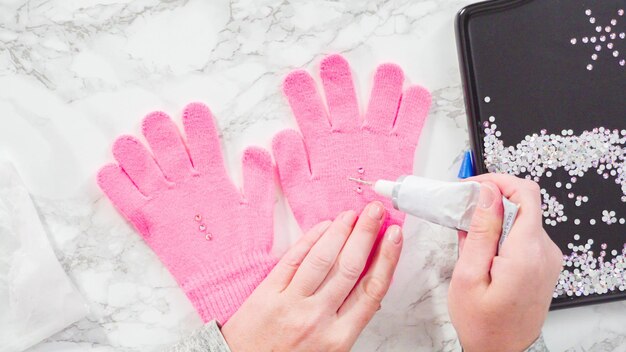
(538, 346)
(206, 339)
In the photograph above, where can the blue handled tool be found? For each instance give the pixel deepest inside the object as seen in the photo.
(467, 166)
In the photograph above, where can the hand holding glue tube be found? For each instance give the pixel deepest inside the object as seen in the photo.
(499, 300)
(450, 204)
(500, 291)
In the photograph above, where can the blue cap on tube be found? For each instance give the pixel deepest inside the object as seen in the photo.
(467, 166)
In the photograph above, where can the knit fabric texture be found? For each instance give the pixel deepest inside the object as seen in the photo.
(337, 143)
(209, 338)
(214, 239)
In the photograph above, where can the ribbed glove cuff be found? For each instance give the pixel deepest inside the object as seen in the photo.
(218, 292)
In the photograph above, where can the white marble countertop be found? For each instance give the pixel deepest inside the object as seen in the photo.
(74, 74)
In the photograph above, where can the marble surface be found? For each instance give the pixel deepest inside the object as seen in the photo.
(74, 74)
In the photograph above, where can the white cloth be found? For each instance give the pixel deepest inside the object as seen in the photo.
(37, 298)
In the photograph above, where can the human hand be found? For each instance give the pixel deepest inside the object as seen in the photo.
(499, 302)
(313, 300)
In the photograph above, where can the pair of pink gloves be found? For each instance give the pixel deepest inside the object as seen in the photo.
(216, 239)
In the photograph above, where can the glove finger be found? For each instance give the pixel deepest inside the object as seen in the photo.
(340, 95)
(258, 178)
(167, 146)
(385, 98)
(306, 105)
(291, 159)
(139, 165)
(202, 139)
(412, 113)
(122, 192)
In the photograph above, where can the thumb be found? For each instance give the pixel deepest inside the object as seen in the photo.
(481, 243)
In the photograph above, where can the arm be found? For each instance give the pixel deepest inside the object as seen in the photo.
(206, 339)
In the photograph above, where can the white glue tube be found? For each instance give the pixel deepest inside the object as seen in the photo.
(450, 204)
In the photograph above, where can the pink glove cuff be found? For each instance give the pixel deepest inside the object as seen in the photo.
(243, 273)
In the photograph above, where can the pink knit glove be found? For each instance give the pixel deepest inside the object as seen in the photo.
(214, 240)
(338, 144)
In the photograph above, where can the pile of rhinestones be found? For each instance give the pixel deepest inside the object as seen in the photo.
(603, 37)
(535, 157)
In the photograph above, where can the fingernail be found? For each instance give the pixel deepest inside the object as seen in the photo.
(394, 234)
(348, 217)
(375, 210)
(486, 197)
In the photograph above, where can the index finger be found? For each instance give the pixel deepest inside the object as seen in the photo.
(353, 257)
(286, 268)
(363, 302)
(322, 256)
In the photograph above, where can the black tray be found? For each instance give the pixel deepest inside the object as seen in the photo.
(529, 58)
